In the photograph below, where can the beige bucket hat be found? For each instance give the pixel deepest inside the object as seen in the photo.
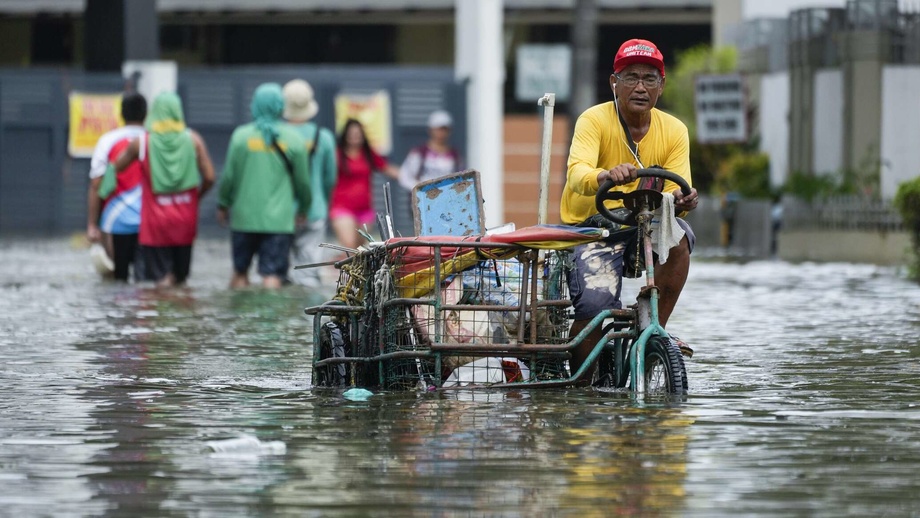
(299, 103)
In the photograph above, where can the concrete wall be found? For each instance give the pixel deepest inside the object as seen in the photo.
(523, 137)
(828, 127)
(774, 124)
(889, 248)
(752, 235)
(864, 54)
(726, 14)
(706, 221)
(900, 150)
(752, 229)
(899, 128)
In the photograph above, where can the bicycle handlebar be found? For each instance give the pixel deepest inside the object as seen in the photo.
(604, 193)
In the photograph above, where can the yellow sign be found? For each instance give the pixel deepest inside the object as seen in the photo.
(91, 115)
(373, 112)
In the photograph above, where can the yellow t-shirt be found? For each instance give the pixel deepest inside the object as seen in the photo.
(599, 143)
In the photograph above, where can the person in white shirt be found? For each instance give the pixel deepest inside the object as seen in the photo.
(114, 201)
(433, 159)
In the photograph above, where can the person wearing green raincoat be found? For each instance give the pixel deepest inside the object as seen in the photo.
(176, 172)
(265, 181)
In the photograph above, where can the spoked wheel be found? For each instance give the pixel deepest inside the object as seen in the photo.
(665, 372)
(613, 362)
(332, 344)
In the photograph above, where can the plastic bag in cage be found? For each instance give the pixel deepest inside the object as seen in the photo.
(484, 371)
(460, 326)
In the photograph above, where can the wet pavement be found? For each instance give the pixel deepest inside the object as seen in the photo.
(122, 400)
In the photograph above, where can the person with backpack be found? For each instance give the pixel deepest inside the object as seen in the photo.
(300, 107)
(433, 159)
(265, 182)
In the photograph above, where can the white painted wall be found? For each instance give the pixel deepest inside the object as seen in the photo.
(827, 131)
(774, 124)
(900, 149)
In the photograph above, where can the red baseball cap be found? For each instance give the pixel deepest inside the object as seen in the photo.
(638, 51)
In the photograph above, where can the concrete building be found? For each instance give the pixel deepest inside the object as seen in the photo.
(832, 88)
(411, 32)
(214, 35)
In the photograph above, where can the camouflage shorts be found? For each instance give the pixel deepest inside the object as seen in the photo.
(595, 282)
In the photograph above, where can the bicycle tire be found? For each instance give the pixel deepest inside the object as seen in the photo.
(613, 366)
(332, 344)
(665, 371)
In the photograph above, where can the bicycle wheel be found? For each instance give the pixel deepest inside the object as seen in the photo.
(665, 372)
(613, 365)
(331, 345)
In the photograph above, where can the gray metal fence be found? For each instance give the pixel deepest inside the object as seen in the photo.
(43, 190)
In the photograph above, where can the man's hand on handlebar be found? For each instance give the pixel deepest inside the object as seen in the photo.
(685, 202)
(620, 175)
(624, 173)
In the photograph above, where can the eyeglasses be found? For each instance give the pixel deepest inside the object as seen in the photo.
(631, 80)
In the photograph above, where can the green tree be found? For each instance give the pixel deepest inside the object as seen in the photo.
(709, 161)
(681, 81)
(747, 174)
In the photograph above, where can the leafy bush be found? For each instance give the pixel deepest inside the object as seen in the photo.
(747, 174)
(811, 186)
(907, 201)
(807, 186)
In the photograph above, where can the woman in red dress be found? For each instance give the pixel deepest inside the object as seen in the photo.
(352, 204)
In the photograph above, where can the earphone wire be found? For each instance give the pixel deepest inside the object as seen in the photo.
(627, 135)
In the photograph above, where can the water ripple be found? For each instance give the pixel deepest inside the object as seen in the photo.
(803, 402)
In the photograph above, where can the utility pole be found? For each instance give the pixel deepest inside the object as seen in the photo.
(584, 62)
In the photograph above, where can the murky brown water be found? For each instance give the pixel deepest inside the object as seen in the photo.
(118, 400)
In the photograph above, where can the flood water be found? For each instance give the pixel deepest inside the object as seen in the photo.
(122, 401)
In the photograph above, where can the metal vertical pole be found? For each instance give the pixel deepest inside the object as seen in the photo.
(548, 102)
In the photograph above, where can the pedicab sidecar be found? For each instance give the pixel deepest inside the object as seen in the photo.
(440, 312)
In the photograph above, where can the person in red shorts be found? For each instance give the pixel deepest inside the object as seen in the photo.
(176, 171)
(351, 204)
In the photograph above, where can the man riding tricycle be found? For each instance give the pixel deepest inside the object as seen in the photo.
(540, 306)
